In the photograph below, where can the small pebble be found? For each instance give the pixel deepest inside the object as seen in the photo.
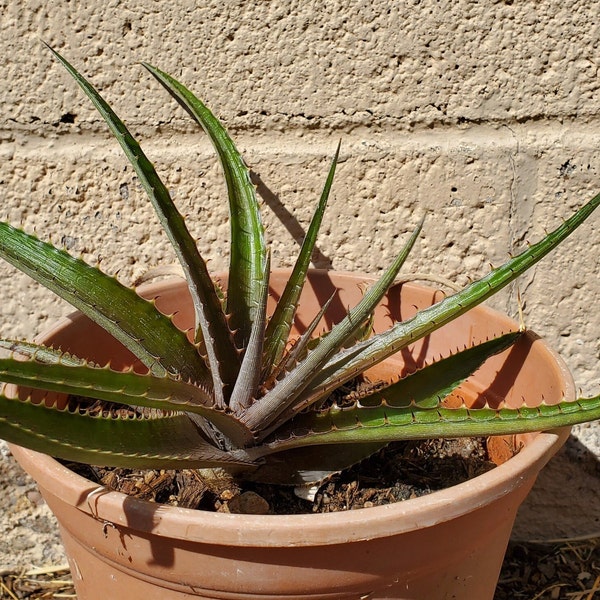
(249, 503)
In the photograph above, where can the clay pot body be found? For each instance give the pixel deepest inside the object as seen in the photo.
(449, 544)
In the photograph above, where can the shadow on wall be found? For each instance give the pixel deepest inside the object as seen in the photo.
(287, 219)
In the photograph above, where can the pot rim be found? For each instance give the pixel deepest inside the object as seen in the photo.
(303, 529)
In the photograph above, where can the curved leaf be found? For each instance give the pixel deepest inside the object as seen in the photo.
(248, 380)
(384, 423)
(426, 386)
(135, 322)
(283, 395)
(125, 388)
(209, 315)
(43, 354)
(248, 251)
(347, 364)
(168, 442)
(282, 319)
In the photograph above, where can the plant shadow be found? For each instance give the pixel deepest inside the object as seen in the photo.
(288, 220)
(564, 503)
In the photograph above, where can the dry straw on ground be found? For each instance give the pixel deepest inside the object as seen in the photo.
(46, 583)
(568, 570)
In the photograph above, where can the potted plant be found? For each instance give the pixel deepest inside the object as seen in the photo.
(229, 375)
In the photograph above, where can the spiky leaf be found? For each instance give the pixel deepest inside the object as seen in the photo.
(360, 424)
(282, 396)
(209, 314)
(169, 441)
(247, 270)
(351, 362)
(430, 384)
(125, 388)
(281, 321)
(133, 321)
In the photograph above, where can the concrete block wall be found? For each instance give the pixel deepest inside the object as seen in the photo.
(484, 115)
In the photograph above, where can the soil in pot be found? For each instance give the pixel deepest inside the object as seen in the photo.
(400, 471)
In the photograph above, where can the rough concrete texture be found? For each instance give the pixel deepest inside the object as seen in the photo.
(483, 115)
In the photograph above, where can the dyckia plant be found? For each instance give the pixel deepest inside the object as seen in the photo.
(241, 394)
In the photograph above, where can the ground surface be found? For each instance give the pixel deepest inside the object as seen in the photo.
(28, 533)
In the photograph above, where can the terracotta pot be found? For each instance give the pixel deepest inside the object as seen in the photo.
(449, 544)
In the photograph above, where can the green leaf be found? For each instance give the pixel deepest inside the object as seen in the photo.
(246, 386)
(168, 442)
(43, 354)
(350, 363)
(384, 423)
(425, 388)
(283, 395)
(430, 384)
(299, 348)
(248, 251)
(125, 388)
(221, 354)
(135, 322)
(282, 319)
